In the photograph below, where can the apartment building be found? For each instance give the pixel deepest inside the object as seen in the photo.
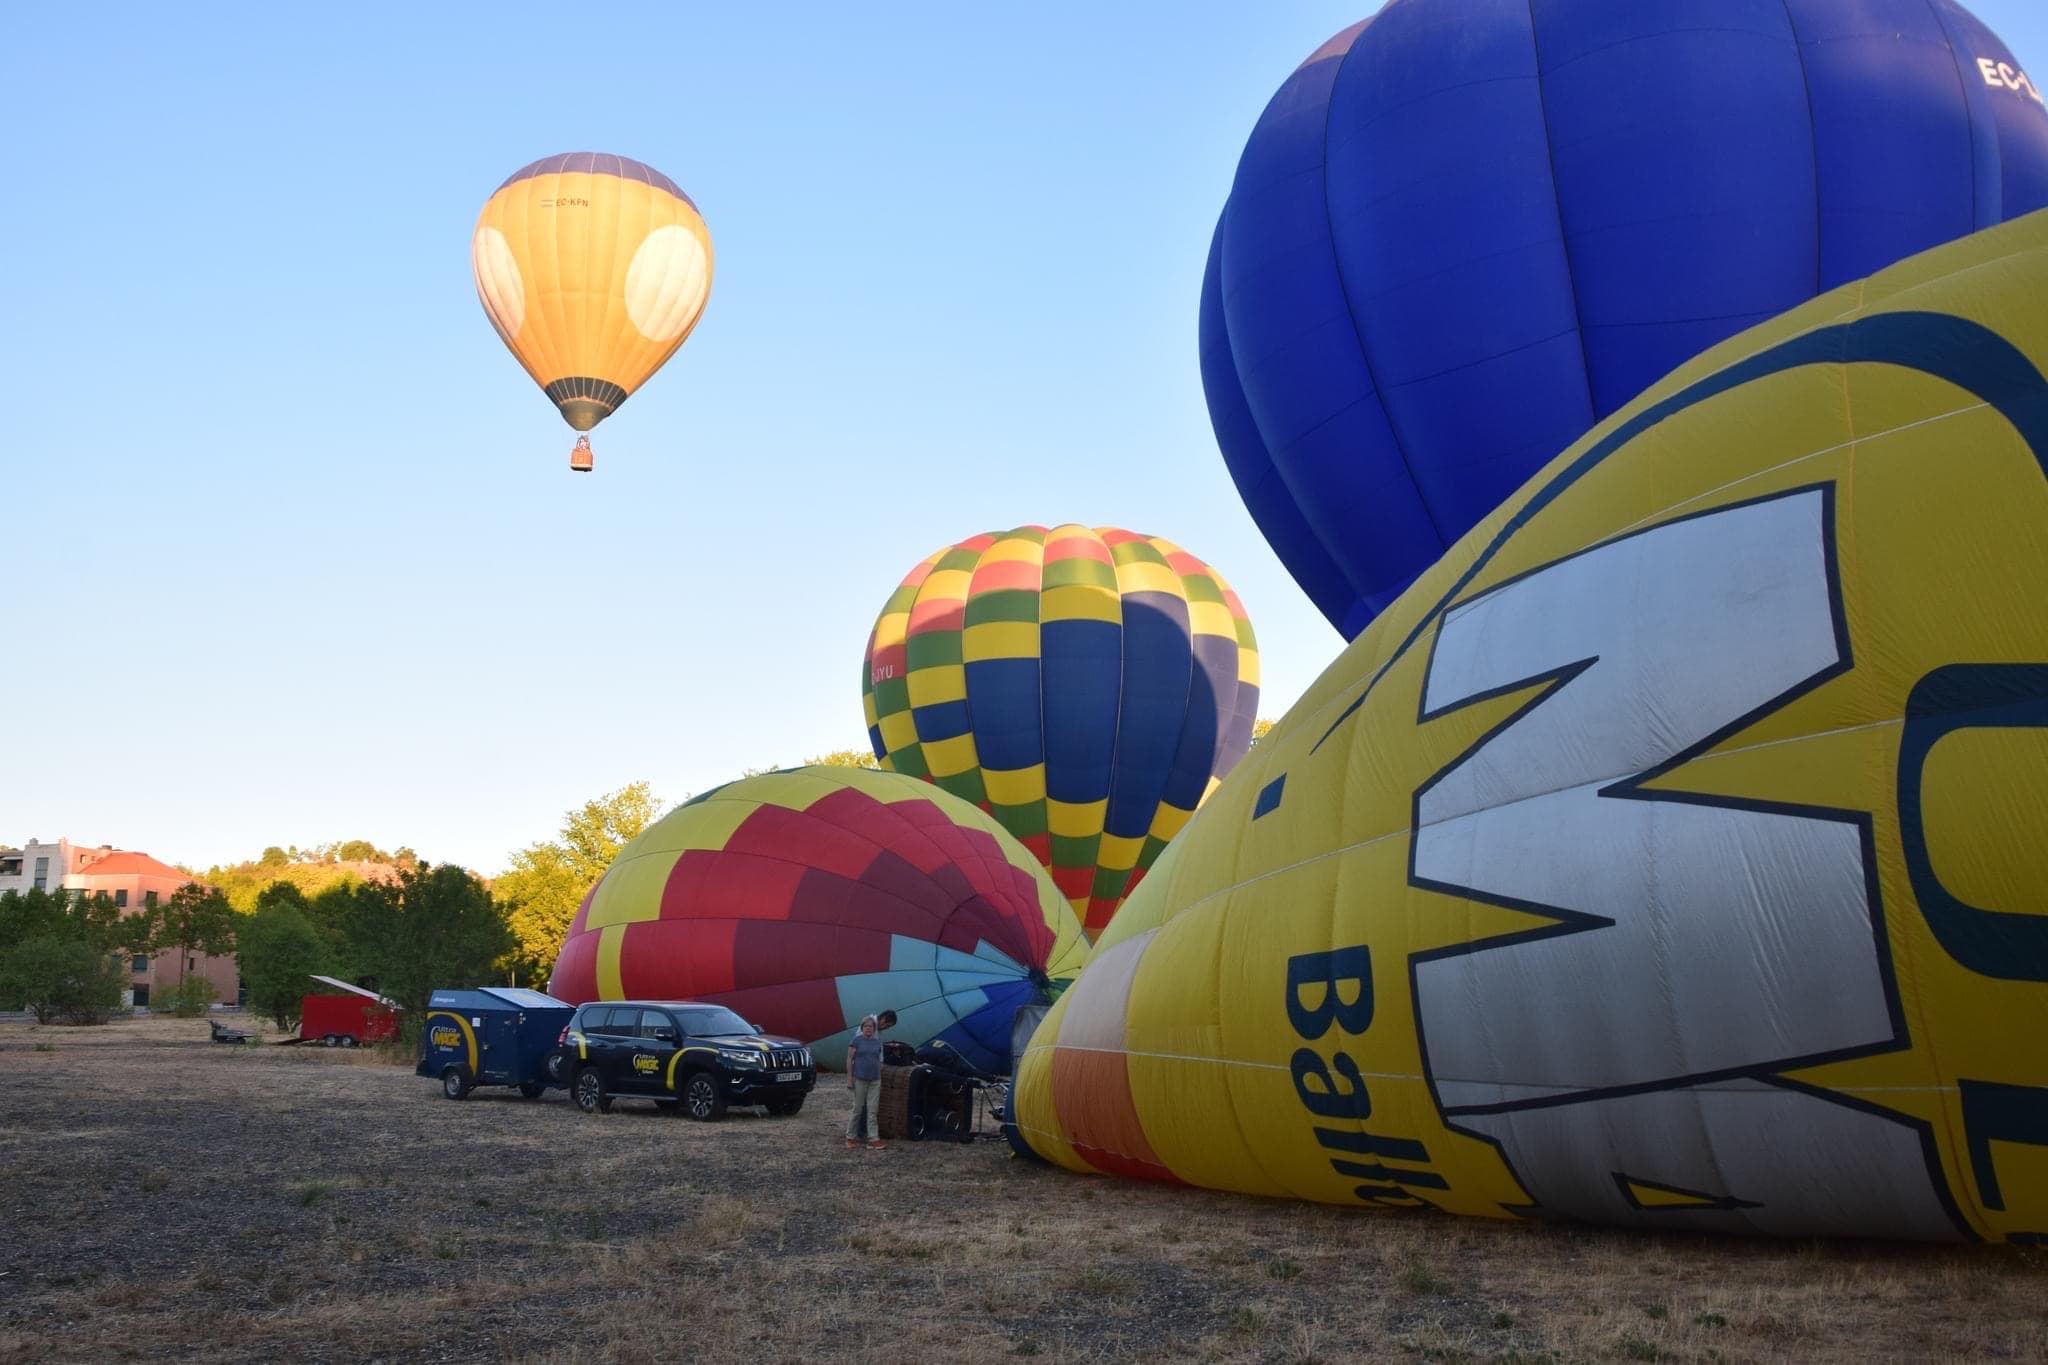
(136, 882)
(37, 865)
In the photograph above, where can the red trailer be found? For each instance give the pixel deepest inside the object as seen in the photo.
(347, 1020)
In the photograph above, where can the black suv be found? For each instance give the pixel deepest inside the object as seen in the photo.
(703, 1057)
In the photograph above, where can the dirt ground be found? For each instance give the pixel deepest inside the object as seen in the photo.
(162, 1197)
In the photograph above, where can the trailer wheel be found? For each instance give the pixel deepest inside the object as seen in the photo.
(329, 1040)
(348, 1040)
(702, 1099)
(533, 1090)
(556, 1066)
(589, 1094)
(455, 1083)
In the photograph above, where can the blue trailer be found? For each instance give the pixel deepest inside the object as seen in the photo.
(494, 1035)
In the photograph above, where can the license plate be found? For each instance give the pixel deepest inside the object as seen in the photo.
(789, 1075)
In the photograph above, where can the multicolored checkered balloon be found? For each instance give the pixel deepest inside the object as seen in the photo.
(1086, 687)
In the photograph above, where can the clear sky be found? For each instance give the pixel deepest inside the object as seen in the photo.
(292, 548)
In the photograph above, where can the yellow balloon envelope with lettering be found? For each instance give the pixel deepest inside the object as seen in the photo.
(1670, 854)
(594, 269)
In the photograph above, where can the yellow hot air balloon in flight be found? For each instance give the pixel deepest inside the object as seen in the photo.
(594, 269)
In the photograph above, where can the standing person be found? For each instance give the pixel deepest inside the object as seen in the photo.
(864, 1079)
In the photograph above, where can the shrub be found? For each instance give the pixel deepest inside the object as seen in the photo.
(188, 999)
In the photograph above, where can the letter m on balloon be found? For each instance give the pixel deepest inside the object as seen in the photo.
(1645, 651)
(1685, 942)
(1642, 653)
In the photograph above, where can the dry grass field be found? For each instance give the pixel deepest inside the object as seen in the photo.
(165, 1198)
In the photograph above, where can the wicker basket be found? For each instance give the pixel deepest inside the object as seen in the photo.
(894, 1119)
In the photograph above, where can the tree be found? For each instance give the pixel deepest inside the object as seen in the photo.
(278, 949)
(62, 977)
(1259, 728)
(547, 881)
(434, 927)
(541, 892)
(24, 915)
(330, 909)
(273, 856)
(361, 851)
(195, 919)
(593, 834)
(280, 894)
(102, 926)
(60, 949)
(845, 758)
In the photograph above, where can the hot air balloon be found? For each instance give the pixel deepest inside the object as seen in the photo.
(1086, 687)
(1669, 854)
(594, 269)
(805, 898)
(1466, 230)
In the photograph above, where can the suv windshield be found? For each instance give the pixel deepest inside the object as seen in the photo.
(712, 1022)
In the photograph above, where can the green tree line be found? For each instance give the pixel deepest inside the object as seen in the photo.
(65, 956)
(311, 869)
(428, 928)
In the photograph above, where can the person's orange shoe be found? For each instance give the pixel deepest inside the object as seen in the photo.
(851, 1144)
(875, 1146)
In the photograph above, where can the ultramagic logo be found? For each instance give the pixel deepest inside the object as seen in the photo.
(643, 1062)
(2000, 75)
(447, 1037)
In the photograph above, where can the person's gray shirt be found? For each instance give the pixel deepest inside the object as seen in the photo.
(867, 1058)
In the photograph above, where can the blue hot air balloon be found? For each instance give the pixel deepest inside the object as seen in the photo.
(1464, 231)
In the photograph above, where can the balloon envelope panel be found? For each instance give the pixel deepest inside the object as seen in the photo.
(1465, 230)
(1088, 687)
(1668, 855)
(807, 898)
(593, 269)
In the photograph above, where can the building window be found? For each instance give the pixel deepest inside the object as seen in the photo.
(121, 900)
(42, 874)
(141, 963)
(149, 898)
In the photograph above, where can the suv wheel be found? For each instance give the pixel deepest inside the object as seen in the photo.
(702, 1099)
(455, 1083)
(589, 1092)
(533, 1090)
(782, 1109)
(556, 1067)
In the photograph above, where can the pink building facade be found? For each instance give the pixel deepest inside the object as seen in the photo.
(137, 881)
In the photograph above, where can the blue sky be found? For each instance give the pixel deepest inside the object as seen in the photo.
(294, 550)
